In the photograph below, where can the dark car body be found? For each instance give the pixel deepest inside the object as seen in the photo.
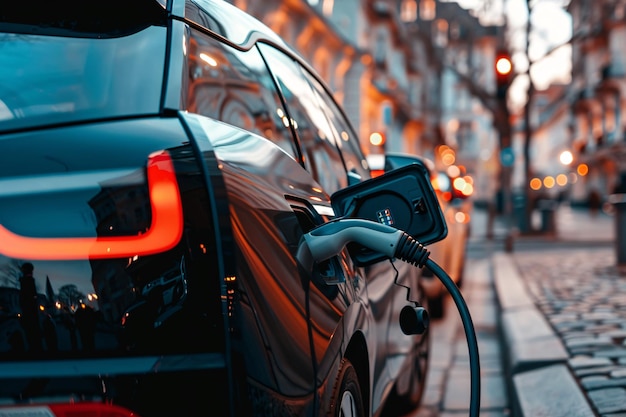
(159, 164)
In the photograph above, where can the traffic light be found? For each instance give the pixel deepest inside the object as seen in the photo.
(504, 73)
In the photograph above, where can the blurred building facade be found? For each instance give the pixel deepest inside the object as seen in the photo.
(598, 102)
(550, 127)
(407, 69)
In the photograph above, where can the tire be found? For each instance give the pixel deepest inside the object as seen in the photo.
(347, 400)
(400, 405)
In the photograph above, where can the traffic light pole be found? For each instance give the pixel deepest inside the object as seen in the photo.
(504, 77)
(504, 73)
(528, 131)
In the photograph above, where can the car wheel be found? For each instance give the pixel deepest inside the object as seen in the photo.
(400, 405)
(347, 400)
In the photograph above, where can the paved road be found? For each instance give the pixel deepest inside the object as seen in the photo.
(550, 318)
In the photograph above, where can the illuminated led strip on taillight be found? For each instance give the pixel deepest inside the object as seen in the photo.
(67, 410)
(164, 232)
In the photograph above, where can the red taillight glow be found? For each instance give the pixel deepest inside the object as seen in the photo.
(67, 410)
(90, 409)
(164, 232)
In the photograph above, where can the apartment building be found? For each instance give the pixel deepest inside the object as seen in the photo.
(598, 103)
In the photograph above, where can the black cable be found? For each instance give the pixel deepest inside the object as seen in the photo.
(413, 252)
(470, 334)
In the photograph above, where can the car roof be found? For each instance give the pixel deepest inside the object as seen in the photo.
(403, 156)
(97, 18)
(228, 22)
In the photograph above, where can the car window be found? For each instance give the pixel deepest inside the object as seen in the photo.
(64, 79)
(345, 137)
(309, 121)
(235, 87)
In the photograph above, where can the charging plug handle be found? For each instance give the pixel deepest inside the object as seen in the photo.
(330, 238)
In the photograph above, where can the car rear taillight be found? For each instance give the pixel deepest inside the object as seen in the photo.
(164, 233)
(377, 172)
(67, 410)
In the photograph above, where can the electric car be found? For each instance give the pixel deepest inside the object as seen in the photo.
(160, 163)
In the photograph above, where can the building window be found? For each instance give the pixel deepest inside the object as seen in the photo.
(380, 49)
(327, 7)
(408, 11)
(441, 33)
(428, 9)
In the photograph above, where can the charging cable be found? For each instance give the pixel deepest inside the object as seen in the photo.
(330, 238)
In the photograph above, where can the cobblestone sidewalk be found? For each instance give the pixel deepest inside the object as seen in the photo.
(582, 294)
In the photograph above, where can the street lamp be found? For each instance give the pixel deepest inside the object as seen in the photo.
(566, 158)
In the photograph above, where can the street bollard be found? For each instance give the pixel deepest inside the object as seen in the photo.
(547, 208)
(619, 204)
(519, 212)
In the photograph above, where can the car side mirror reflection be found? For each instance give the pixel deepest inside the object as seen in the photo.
(403, 198)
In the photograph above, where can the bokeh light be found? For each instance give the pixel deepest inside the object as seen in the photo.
(548, 182)
(453, 171)
(566, 157)
(377, 139)
(561, 179)
(535, 184)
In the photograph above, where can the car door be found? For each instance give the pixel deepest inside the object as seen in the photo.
(324, 162)
(331, 153)
(284, 317)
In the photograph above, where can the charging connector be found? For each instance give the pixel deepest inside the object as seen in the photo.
(330, 238)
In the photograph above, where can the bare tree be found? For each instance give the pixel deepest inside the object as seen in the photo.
(70, 297)
(10, 273)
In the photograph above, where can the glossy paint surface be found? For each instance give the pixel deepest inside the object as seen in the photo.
(223, 149)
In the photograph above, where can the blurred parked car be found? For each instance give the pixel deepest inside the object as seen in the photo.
(453, 191)
(160, 163)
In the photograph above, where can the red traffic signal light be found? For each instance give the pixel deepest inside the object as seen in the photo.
(504, 65)
(504, 71)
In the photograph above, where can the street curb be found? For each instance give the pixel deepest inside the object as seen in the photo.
(549, 391)
(535, 358)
